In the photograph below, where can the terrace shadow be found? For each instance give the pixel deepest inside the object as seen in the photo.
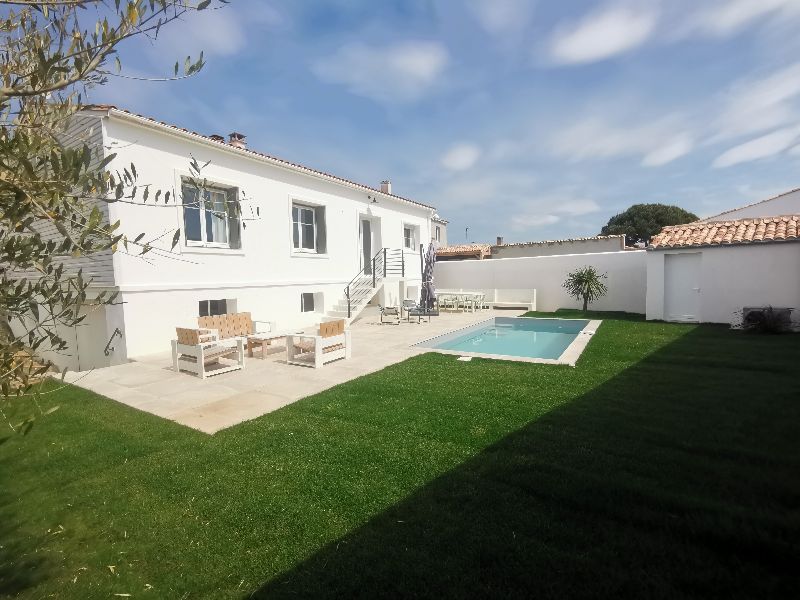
(676, 478)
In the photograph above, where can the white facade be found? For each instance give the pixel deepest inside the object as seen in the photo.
(626, 278)
(728, 277)
(785, 204)
(264, 273)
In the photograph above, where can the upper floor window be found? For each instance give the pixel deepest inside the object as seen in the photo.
(308, 228)
(409, 237)
(438, 236)
(210, 217)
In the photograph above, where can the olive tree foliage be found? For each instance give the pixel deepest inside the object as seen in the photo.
(586, 284)
(51, 54)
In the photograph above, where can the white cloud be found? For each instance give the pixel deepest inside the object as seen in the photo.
(754, 105)
(532, 221)
(576, 208)
(671, 150)
(500, 17)
(214, 32)
(550, 209)
(761, 147)
(728, 17)
(593, 138)
(601, 35)
(461, 157)
(402, 72)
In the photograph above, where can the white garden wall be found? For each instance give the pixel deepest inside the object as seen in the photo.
(626, 281)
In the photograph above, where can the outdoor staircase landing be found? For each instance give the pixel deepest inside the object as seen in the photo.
(368, 282)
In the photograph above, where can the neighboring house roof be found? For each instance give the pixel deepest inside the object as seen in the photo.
(726, 233)
(464, 250)
(725, 212)
(439, 219)
(564, 241)
(126, 114)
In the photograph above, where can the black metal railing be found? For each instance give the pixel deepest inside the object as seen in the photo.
(387, 262)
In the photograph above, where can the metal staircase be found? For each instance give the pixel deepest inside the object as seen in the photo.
(362, 288)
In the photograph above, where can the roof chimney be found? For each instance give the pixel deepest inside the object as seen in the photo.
(237, 140)
(499, 240)
(386, 186)
(216, 137)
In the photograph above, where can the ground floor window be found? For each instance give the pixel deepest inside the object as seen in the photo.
(307, 302)
(210, 308)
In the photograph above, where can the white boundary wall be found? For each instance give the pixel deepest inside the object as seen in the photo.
(627, 278)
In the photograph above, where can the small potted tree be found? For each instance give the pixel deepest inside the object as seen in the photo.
(586, 284)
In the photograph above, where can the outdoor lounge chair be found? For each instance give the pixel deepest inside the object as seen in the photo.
(390, 313)
(413, 309)
(331, 343)
(198, 351)
(234, 326)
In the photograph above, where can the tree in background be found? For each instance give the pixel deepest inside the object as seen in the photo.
(585, 284)
(642, 221)
(52, 53)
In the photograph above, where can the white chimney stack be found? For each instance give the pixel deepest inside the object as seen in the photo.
(237, 140)
(386, 186)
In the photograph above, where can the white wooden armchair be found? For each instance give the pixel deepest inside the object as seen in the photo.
(198, 351)
(331, 343)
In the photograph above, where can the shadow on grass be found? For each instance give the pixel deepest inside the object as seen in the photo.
(676, 478)
(20, 567)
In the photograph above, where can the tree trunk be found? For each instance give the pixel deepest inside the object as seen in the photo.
(585, 304)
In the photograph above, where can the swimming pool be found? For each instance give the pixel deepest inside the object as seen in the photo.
(554, 341)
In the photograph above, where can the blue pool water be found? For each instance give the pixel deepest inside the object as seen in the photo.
(513, 336)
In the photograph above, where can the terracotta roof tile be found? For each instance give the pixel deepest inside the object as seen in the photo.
(464, 250)
(562, 241)
(720, 233)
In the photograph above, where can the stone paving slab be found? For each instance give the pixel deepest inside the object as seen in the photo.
(149, 383)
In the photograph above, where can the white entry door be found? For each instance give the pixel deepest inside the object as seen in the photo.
(366, 245)
(682, 287)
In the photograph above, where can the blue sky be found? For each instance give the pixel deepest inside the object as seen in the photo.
(527, 119)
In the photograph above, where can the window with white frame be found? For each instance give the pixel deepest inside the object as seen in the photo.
(409, 237)
(210, 217)
(308, 228)
(438, 236)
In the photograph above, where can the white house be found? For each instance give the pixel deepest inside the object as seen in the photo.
(303, 236)
(787, 203)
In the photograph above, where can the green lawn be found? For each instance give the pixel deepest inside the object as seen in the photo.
(667, 463)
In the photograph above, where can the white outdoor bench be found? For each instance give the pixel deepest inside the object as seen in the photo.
(512, 298)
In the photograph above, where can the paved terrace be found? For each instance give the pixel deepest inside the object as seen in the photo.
(264, 385)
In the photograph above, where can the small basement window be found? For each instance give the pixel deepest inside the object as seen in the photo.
(210, 308)
(307, 302)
